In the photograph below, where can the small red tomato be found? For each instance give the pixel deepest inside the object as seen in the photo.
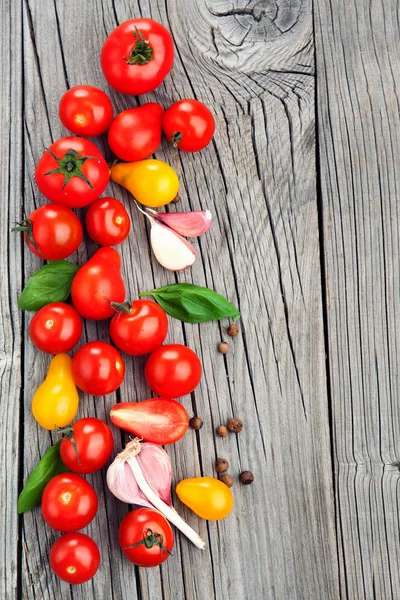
(72, 172)
(75, 558)
(135, 133)
(173, 370)
(56, 328)
(52, 232)
(138, 327)
(146, 537)
(69, 502)
(107, 222)
(86, 110)
(92, 447)
(137, 56)
(189, 124)
(98, 368)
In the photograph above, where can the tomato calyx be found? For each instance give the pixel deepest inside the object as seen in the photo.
(68, 433)
(27, 227)
(175, 138)
(142, 52)
(70, 166)
(122, 308)
(149, 540)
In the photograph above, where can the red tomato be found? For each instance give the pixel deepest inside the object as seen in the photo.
(93, 446)
(72, 172)
(52, 232)
(189, 125)
(173, 370)
(98, 368)
(158, 420)
(97, 284)
(68, 502)
(137, 56)
(86, 110)
(56, 328)
(151, 534)
(107, 222)
(135, 134)
(75, 558)
(138, 327)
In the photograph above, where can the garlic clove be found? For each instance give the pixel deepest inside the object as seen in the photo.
(156, 468)
(190, 224)
(171, 250)
(123, 485)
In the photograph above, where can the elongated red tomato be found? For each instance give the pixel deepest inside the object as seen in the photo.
(72, 172)
(137, 56)
(157, 420)
(135, 133)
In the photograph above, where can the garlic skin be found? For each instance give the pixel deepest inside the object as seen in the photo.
(171, 250)
(141, 474)
(189, 224)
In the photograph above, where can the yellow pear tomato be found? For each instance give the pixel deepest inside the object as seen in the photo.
(56, 401)
(207, 497)
(152, 182)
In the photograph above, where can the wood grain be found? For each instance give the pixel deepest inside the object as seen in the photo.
(359, 132)
(253, 64)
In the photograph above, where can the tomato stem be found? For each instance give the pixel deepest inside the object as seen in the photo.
(176, 138)
(122, 308)
(27, 227)
(70, 165)
(149, 540)
(68, 433)
(142, 52)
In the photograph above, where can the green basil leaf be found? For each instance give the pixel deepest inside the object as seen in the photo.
(193, 304)
(47, 468)
(51, 284)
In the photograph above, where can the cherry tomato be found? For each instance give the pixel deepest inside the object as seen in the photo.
(55, 328)
(69, 502)
(137, 56)
(52, 232)
(173, 370)
(92, 447)
(189, 125)
(136, 133)
(138, 327)
(107, 222)
(98, 283)
(98, 368)
(86, 110)
(72, 172)
(152, 533)
(75, 558)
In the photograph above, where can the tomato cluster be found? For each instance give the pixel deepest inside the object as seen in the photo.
(73, 173)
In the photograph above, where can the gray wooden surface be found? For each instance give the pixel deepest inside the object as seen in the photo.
(305, 240)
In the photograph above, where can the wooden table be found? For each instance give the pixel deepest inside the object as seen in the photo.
(302, 178)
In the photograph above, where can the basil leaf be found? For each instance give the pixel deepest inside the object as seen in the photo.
(51, 284)
(193, 304)
(47, 468)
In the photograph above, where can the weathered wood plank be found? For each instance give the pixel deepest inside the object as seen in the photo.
(359, 133)
(11, 321)
(255, 69)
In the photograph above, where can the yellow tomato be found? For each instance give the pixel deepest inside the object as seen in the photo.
(207, 497)
(56, 401)
(152, 182)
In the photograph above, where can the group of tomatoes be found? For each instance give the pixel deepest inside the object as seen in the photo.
(73, 173)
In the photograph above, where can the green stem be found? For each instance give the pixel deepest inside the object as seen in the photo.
(142, 52)
(68, 433)
(149, 540)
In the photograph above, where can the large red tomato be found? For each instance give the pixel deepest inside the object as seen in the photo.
(52, 232)
(75, 558)
(69, 502)
(56, 328)
(138, 327)
(137, 56)
(98, 368)
(98, 283)
(88, 446)
(107, 222)
(86, 110)
(135, 133)
(72, 172)
(189, 125)
(173, 370)
(146, 537)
